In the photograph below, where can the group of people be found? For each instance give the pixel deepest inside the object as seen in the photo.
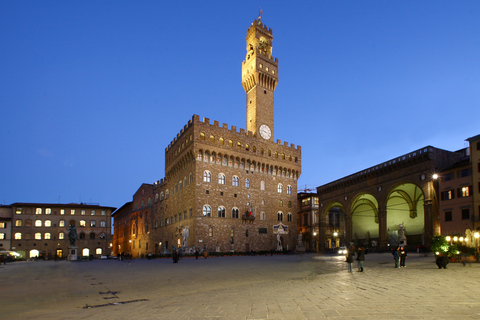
(360, 256)
(399, 256)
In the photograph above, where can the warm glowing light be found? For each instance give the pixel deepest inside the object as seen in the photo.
(314, 234)
(476, 235)
(335, 234)
(435, 176)
(437, 253)
(461, 239)
(455, 238)
(448, 238)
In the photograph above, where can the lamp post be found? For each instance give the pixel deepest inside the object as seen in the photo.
(335, 234)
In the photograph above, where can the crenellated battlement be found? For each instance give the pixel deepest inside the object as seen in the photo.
(224, 128)
(257, 24)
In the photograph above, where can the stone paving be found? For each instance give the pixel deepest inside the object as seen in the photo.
(307, 286)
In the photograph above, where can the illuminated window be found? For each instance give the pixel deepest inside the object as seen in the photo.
(83, 212)
(92, 223)
(72, 212)
(207, 211)
(280, 188)
(102, 224)
(82, 223)
(38, 223)
(207, 176)
(62, 211)
(289, 189)
(18, 223)
(93, 212)
(247, 183)
(98, 251)
(18, 211)
(2, 236)
(48, 211)
(221, 178)
(18, 236)
(48, 223)
(61, 223)
(47, 236)
(61, 236)
(235, 181)
(38, 236)
(38, 211)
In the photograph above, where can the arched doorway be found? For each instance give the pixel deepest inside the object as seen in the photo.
(335, 231)
(34, 253)
(85, 252)
(365, 227)
(405, 209)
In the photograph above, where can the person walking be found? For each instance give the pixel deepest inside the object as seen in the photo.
(196, 254)
(350, 257)
(403, 256)
(360, 258)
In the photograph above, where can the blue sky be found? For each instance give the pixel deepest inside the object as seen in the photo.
(91, 92)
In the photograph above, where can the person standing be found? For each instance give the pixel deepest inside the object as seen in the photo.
(396, 257)
(350, 257)
(360, 258)
(196, 254)
(403, 256)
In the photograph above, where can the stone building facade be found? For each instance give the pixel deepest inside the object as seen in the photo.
(41, 229)
(227, 189)
(377, 205)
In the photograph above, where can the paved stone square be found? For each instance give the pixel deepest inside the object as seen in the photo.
(307, 286)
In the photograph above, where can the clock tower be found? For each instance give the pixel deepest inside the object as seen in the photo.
(259, 79)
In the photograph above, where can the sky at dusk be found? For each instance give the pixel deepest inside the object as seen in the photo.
(92, 92)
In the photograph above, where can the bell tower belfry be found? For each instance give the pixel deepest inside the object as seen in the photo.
(259, 79)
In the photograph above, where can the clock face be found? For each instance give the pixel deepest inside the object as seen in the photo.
(265, 132)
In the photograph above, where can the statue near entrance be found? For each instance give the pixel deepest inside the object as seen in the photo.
(186, 235)
(72, 235)
(279, 243)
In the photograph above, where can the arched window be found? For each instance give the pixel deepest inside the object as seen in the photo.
(202, 135)
(212, 138)
(235, 213)
(38, 223)
(38, 236)
(191, 177)
(207, 211)
(280, 203)
(280, 188)
(289, 217)
(262, 185)
(221, 212)
(102, 235)
(48, 223)
(18, 236)
(235, 181)
(280, 216)
(18, 223)
(247, 183)
(92, 223)
(230, 143)
(47, 236)
(92, 235)
(221, 178)
(167, 194)
(162, 196)
(289, 189)
(82, 236)
(210, 231)
(207, 176)
(185, 181)
(83, 223)
(222, 141)
(262, 216)
(289, 204)
(61, 236)
(102, 223)
(98, 251)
